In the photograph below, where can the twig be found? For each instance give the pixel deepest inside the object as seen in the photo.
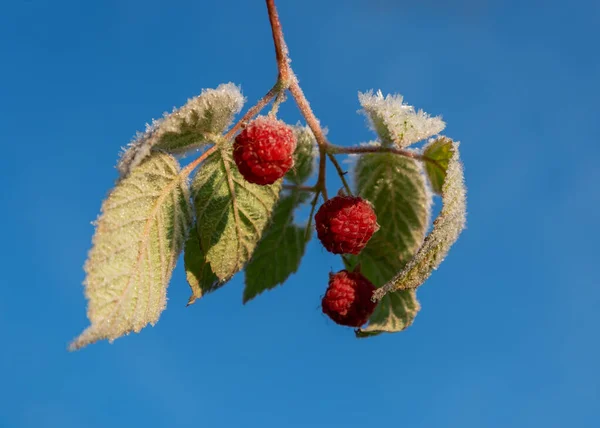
(321, 185)
(281, 50)
(253, 111)
(279, 99)
(310, 216)
(340, 172)
(333, 149)
(308, 114)
(185, 172)
(301, 188)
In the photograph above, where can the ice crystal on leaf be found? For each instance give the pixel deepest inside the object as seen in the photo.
(398, 123)
(200, 121)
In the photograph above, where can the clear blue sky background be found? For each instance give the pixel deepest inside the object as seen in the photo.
(508, 334)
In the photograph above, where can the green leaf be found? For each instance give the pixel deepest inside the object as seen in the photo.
(397, 123)
(231, 213)
(396, 188)
(446, 230)
(438, 152)
(199, 275)
(200, 121)
(394, 313)
(280, 250)
(304, 156)
(138, 238)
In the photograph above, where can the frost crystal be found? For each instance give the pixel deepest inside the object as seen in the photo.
(446, 229)
(196, 123)
(396, 122)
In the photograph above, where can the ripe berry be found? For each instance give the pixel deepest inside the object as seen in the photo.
(345, 224)
(348, 298)
(263, 150)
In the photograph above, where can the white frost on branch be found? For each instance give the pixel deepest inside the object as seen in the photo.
(395, 122)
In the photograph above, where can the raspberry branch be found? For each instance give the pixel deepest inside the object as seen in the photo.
(290, 82)
(281, 50)
(287, 81)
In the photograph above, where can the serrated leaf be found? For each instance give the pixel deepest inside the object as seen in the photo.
(198, 122)
(280, 250)
(231, 213)
(394, 313)
(446, 230)
(139, 236)
(199, 275)
(396, 188)
(397, 123)
(304, 156)
(439, 152)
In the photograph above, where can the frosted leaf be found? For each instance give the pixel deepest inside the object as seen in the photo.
(395, 312)
(446, 230)
(139, 235)
(231, 213)
(279, 252)
(198, 122)
(396, 187)
(198, 273)
(438, 152)
(398, 123)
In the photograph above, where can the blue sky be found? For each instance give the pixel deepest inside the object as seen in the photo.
(508, 331)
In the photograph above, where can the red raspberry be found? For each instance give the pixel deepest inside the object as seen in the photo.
(345, 224)
(263, 150)
(348, 298)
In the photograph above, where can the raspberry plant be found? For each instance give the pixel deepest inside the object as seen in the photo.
(232, 208)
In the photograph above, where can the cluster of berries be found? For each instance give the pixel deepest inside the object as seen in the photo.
(263, 153)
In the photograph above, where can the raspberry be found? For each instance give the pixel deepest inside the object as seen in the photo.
(345, 224)
(263, 150)
(348, 298)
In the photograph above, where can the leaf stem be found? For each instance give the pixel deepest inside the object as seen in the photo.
(254, 110)
(340, 172)
(321, 186)
(301, 188)
(334, 149)
(279, 99)
(185, 172)
(310, 216)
